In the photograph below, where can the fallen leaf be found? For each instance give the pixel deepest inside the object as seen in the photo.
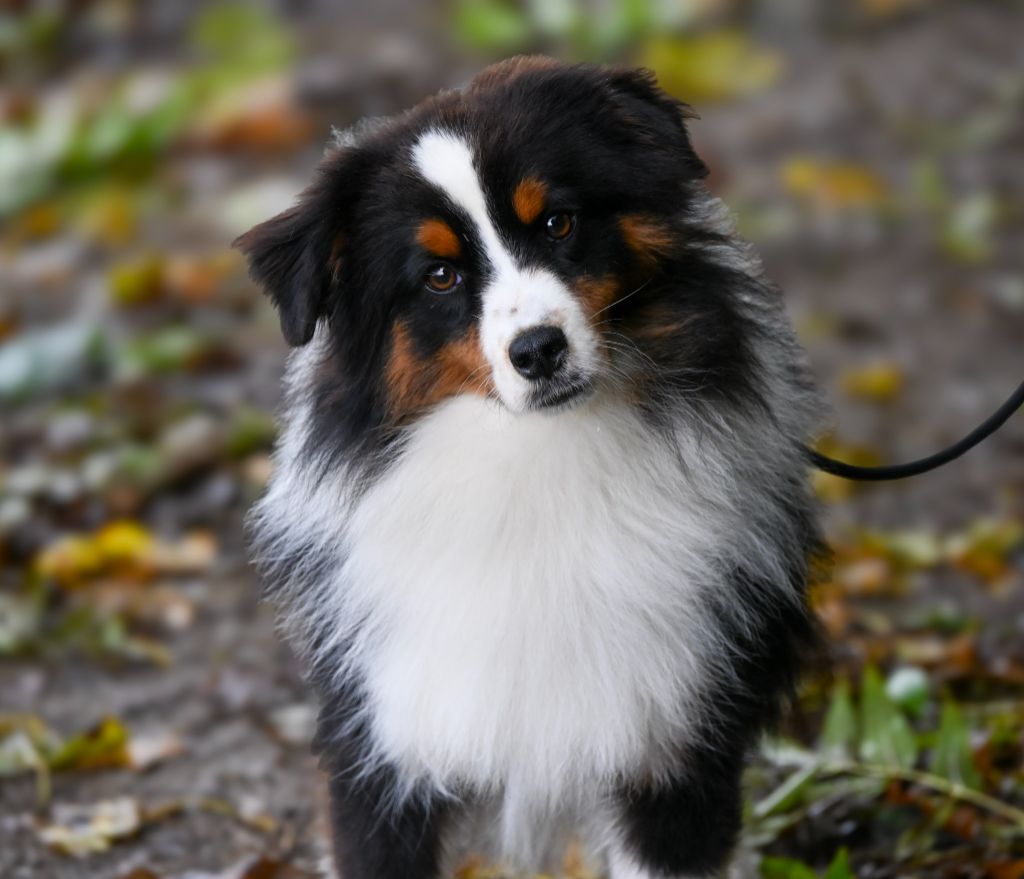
(126, 551)
(261, 117)
(879, 382)
(987, 548)
(159, 606)
(715, 66)
(145, 751)
(111, 218)
(193, 554)
(24, 743)
(968, 235)
(834, 185)
(953, 656)
(865, 576)
(196, 279)
(294, 724)
(138, 281)
(102, 747)
(81, 830)
(834, 489)
(37, 222)
(1005, 869)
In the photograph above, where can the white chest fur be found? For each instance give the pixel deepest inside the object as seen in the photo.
(528, 596)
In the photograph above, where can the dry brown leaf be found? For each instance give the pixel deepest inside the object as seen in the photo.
(196, 279)
(1005, 870)
(957, 655)
(263, 117)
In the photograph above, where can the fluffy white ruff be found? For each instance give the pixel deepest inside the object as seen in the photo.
(524, 598)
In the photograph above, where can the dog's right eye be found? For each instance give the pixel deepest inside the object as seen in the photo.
(442, 278)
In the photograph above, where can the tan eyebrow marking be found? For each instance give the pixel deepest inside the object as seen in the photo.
(439, 238)
(528, 199)
(646, 236)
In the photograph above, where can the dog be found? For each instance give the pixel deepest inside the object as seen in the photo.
(539, 522)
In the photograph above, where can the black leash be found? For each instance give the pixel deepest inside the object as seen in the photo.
(923, 465)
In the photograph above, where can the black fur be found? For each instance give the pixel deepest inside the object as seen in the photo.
(614, 142)
(345, 258)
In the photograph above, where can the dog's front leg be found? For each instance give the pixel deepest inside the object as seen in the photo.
(684, 829)
(377, 838)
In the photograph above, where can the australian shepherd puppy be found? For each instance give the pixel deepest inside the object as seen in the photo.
(539, 520)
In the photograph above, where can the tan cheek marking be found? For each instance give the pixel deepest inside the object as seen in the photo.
(414, 383)
(463, 369)
(528, 199)
(596, 294)
(404, 369)
(647, 237)
(437, 237)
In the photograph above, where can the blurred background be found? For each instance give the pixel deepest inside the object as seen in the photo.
(152, 726)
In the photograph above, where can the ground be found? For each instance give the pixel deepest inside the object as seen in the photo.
(872, 152)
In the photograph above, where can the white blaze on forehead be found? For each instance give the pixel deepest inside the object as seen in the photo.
(446, 160)
(515, 298)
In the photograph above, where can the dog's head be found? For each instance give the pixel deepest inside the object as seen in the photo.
(534, 236)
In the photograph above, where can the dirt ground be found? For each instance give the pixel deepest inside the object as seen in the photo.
(867, 283)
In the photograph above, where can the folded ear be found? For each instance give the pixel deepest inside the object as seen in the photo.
(656, 115)
(296, 255)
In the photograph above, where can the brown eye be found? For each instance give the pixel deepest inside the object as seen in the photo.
(442, 278)
(560, 225)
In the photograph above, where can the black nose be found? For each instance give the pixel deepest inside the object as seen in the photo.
(538, 352)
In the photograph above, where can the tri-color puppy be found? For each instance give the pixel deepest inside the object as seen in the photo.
(539, 519)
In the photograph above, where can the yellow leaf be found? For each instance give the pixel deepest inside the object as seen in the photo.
(70, 561)
(111, 218)
(124, 550)
(137, 282)
(985, 549)
(878, 382)
(834, 489)
(102, 747)
(124, 543)
(710, 67)
(833, 184)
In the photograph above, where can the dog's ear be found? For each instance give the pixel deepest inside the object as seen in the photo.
(295, 256)
(655, 116)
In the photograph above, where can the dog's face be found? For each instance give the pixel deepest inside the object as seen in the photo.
(529, 238)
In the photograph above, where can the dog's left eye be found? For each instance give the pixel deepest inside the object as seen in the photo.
(442, 278)
(559, 225)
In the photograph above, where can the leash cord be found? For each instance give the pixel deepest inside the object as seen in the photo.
(922, 465)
